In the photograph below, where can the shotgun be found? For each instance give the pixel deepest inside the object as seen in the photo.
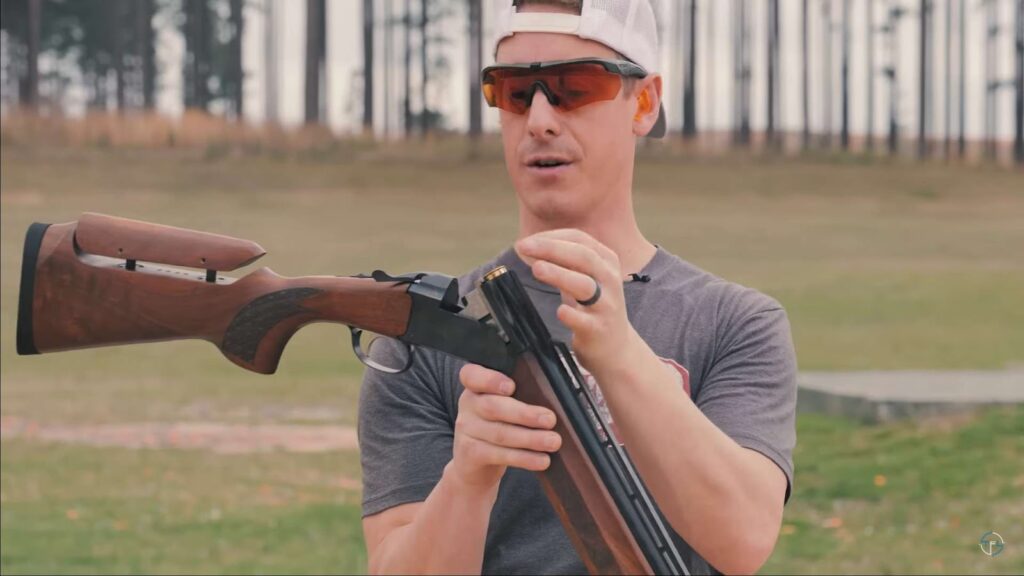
(105, 281)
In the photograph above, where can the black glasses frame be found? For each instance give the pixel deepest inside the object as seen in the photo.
(621, 67)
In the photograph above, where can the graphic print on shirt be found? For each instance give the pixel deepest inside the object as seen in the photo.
(682, 377)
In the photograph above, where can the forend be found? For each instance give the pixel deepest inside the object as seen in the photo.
(128, 239)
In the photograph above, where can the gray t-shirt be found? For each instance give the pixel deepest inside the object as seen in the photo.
(738, 366)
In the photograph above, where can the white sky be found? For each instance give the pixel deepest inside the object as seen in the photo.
(714, 99)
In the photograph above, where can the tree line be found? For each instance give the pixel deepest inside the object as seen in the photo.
(108, 48)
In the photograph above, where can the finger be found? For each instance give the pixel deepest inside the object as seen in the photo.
(511, 411)
(576, 285)
(569, 255)
(581, 237)
(509, 435)
(486, 453)
(485, 381)
(576, 320)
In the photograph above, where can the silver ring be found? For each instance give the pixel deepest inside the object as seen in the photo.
(593, 299)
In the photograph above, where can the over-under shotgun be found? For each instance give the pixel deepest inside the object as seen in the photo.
(104, 281)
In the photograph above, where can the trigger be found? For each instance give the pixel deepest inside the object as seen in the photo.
(357, 348)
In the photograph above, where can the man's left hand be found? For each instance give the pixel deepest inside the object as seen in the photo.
(572, 261)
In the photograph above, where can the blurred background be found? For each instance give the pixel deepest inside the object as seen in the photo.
(859, 160)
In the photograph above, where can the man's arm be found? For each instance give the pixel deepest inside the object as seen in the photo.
(713, 482)
(492, 431)
(404, 539)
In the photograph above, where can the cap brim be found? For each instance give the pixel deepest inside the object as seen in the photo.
(660, 127)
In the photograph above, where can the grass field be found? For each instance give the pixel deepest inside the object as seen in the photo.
(881, 266)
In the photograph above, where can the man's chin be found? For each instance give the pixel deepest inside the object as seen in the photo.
(555, 206)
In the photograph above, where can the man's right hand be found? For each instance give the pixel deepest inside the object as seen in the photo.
(494, 431)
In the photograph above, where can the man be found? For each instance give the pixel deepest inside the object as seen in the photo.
(697, 374)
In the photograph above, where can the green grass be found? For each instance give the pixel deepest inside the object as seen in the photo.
(946, 482)
(881, 266)
(69, 510)
(87, 510)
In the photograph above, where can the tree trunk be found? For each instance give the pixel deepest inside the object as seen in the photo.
(270, 69)
(962, 99)
(424, 68)
(895, 13)
(204, 55)
(116, 11)
(680, 36)
(773, 7)
(844, 135)
(991, 31)
(947, 117)
(315, 49)
(827, 79)
(475, 65)
(690, 108)
(736, 68)
(924, 81)
(407, 70)
(805, 78)
(368, 75)
(188, 68)
(709, 75)
(742, 64)
(31, 90)
(387, 67)
(237, 73)
(745, 35)
(147, 53)
(197, 54)
(1018, 137)
(870, 132)
(97, 81)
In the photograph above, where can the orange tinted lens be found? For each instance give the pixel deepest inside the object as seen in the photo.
(577, 85)
(506, 90)
(573, 85)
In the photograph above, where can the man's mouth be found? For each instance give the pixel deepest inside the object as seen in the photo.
(546, 164)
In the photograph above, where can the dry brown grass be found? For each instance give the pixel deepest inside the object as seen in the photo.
(200, 130)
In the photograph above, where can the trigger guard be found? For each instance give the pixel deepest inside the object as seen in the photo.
(357, 348)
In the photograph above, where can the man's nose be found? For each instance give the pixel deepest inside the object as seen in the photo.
(542, 118)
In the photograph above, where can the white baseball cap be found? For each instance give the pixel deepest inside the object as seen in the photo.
(626, 26)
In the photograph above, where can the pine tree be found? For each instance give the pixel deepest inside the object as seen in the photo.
(870, 132)
(690, 92)
(1018, 139)
(316, 48)
(368, 64)
(475, 65)
(805, 74)
(924, 78)
(844, 134)
(236, 72)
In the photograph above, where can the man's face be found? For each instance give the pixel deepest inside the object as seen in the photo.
(596, 140)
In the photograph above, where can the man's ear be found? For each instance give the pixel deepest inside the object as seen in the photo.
(648, 104)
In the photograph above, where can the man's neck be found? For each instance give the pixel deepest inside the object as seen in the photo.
(617, 230)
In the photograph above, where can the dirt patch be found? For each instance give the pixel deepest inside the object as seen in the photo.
(211, 436)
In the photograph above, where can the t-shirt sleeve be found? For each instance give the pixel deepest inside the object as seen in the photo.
(405, 429)
(749, 391)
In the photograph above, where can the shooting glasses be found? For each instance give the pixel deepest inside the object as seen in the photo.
(567, 84)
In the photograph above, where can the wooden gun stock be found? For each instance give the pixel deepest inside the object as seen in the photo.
(72, 298)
